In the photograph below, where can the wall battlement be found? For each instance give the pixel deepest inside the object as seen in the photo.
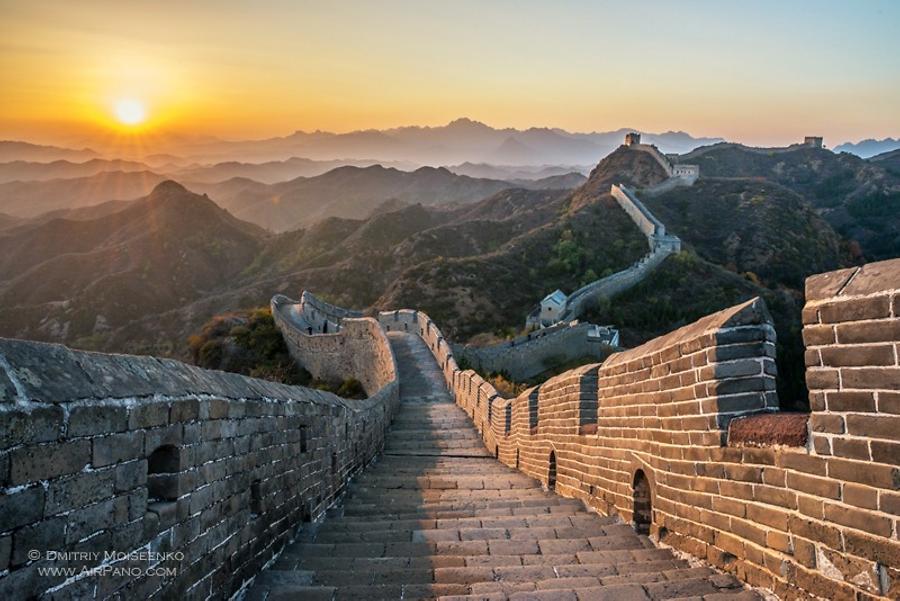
(354, 347)
(127, 453)
(662, 244)
(532, 354)
(815, 520)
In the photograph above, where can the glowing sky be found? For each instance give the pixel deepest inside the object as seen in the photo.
(758, 72)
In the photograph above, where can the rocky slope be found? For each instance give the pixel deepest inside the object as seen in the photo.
(146, 276)
(859, 199)
(70, 281)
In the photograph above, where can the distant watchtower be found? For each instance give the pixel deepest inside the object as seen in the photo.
(813, 141)
(633, 138)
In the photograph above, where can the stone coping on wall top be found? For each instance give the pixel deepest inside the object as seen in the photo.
(751, 312)
(52, 373)
(308, 297)
(769, 429)
(871, 278)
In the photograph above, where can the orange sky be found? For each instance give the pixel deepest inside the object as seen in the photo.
(759, 74)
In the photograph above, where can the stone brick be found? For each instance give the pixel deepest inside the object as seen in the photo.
(40, 462)
(804, 552)
(871, 377)
(866, 521)
(108, 450)
(885, 452)
(850, 401)
(860, 496)
(148, 414)
(817, 335)
(889, 402)
(852, 448)
(21, 507)
(184, 411)
(66, 494)
(91, 519)
(157, 437)
(879, 476)
(873, 331)
(820, 487)
(770, 516)
(822, 378)
(130, 475)
(97, 419)
(814, 530)
(42, 536)
(5, 552)
(831, 424)
(858, 355)
(802, 462)
(889, 503)
(855, 310)
(874, 426)
(42, 424)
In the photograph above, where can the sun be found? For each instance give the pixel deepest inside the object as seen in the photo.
(130, 111)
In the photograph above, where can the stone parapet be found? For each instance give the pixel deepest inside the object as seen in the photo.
(805, 506)
(160, 479)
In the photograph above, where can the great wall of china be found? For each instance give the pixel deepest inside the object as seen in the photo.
(663, 472)
(661, 243)
(531, 354)
(212, 474)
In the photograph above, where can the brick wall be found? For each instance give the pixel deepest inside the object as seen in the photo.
(528, 356)
(117, 454)
(819, 520)
(358, 349)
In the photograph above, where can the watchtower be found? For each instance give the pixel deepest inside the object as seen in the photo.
(813, 141)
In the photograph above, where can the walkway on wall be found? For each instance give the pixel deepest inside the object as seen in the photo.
(438, 517)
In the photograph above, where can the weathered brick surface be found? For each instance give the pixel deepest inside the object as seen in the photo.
(76, 448)
(815, 521)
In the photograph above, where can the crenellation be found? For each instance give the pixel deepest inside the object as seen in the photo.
(734, 481)
(111, 452)
(680, 437)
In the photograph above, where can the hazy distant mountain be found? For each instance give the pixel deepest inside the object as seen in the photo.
(516, 172)
(870, 147)
(7, 221)
(29, 199)
(273, 171)
(33, 171)
(566, 181)
(348, 192)
(459, 141)
(11, 150)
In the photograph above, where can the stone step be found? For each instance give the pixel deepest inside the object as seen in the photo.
(539, 521)
(576, 539)
(463, 513)
(436, 517)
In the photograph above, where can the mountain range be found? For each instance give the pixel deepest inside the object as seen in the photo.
(459, 141)
(347, 191)
(141, 276)
(869, 148)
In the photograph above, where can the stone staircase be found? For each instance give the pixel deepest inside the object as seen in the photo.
(437, 517)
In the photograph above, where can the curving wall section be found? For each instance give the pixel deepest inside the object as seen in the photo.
(645, 435)
(532, 354)
(357, 348)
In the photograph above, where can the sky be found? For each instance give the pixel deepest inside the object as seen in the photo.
(756, 72)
